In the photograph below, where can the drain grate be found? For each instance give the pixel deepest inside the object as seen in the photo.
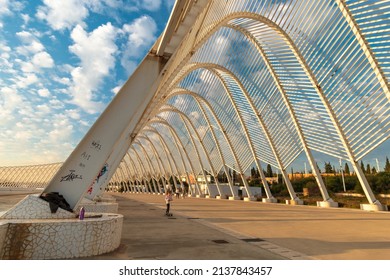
(193, 218)
(220, 241)
(253, 240)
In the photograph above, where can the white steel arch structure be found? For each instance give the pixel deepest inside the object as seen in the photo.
(235, 84)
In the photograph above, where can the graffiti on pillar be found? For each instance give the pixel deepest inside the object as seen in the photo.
(96, 145)
(85, 156)
(102, 172)
(71, 176)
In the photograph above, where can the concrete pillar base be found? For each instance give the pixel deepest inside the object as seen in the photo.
(220, 197)
(269, 200)
(327, 204)
(250, 199)
(37, 233)
(294, 202)
(234, 198)
(200, 195)
(373, 207)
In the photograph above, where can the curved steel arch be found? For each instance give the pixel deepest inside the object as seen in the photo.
(199, 98)
(153, 130)
(182, 117)
(158, 156)
(179, 142)
(369, 194)
(149, 162)
(141, 165)
(204, 148)
(214, 66)
(172, 175)
(342, 76)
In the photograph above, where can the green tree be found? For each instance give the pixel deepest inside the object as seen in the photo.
(346, 169)
(253, 173)
(222, 177)
(373, 171)
(269, 173)
(362, 167)
(368, 169)
(387, 165)
(328, 167)
(319, 170)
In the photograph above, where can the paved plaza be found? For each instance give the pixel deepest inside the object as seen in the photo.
(220, 229)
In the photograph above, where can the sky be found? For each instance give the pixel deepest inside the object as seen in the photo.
(61, 63)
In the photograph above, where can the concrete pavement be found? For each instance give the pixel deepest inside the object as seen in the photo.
(220, 229)
(290, 232)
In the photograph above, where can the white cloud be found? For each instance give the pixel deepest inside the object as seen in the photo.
(151, 5)
(7, 8)
(47, 139)
(23, 135)
(26, 18)
(62, 15)
(43, 60)
(64, 80)
(62, 128)
(44, 92)
(5, 54)
(102, 6)
(44, 108)
(116, 89)
(32, 44)
(56, 104)
(73, 114)
(27, 80)
(38, 61)
(9, 99)
(141, 31)
(4, 7)
(141, 35)
(128, 65)
(96, 51)
(27, 67)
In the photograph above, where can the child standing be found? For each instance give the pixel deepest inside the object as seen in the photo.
(168, 199)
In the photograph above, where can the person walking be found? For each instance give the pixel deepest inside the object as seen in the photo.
(168, 199)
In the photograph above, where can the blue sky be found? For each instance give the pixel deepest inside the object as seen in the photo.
(61, 62)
